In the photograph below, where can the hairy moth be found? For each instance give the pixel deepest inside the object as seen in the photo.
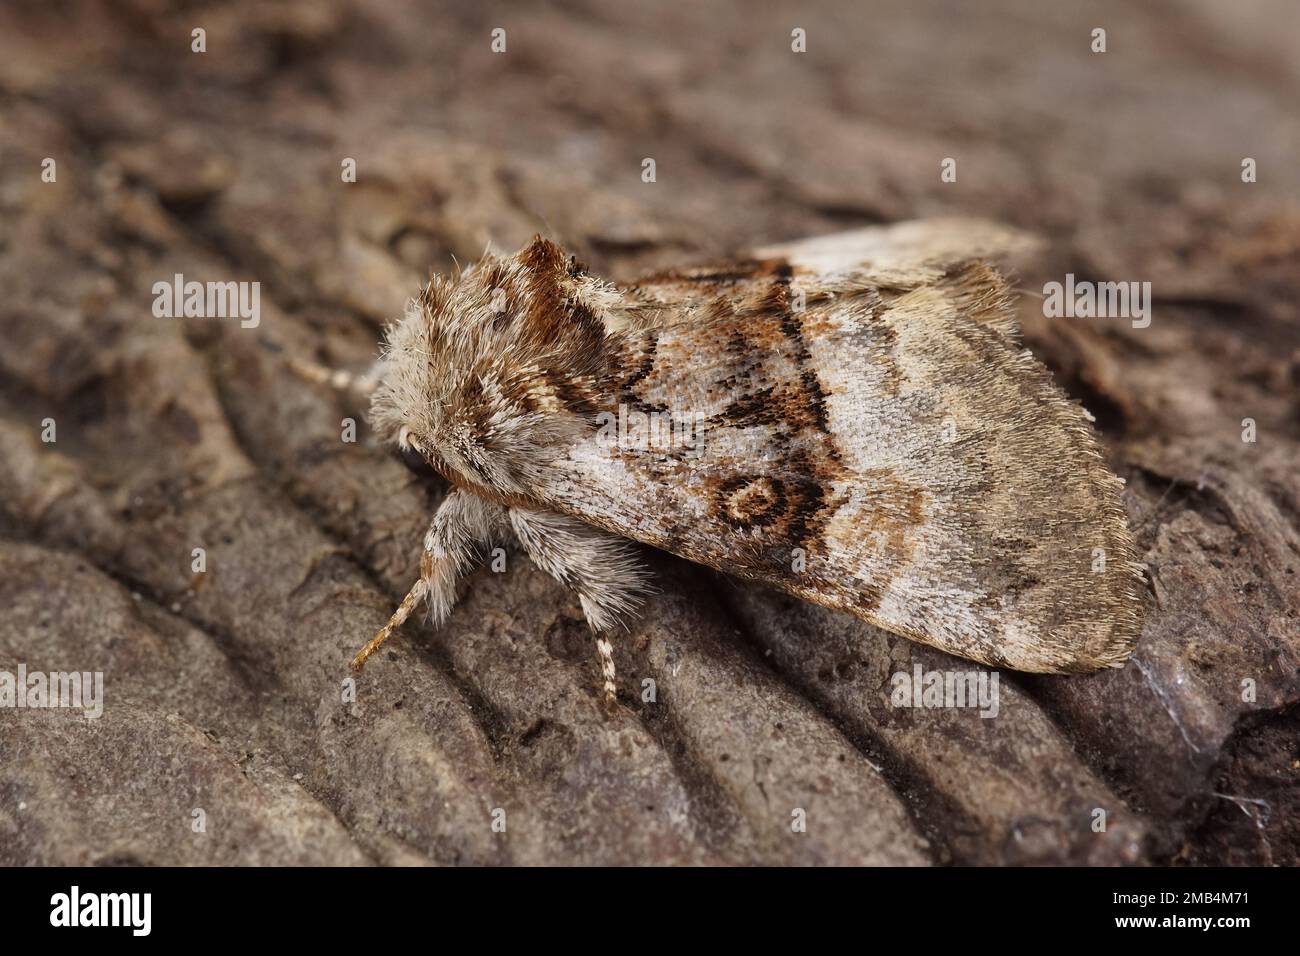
(849, 419)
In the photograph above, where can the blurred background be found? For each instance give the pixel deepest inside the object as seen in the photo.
(231, 163)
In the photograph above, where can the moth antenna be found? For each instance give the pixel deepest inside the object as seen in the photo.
(318, 374)
(335, 378)
(409, 604)
(550, 230)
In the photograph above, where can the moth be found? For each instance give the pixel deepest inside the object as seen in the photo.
(850, 419)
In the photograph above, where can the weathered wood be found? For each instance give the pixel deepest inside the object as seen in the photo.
(223, 689)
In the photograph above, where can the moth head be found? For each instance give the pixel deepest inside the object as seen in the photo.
(491, 373)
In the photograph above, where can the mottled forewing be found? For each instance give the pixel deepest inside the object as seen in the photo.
(872, 439)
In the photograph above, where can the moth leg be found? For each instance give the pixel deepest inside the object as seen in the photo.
(462, 524)
(599, 566)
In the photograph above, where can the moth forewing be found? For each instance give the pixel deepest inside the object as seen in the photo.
(886, 450)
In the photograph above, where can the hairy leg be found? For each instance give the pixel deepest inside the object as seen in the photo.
(461, 526)
(599, 566)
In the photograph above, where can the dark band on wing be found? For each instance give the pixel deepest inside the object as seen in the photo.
(641, 366)
(791, 325)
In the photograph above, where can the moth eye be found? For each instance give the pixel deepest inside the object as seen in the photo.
(416, 462)
(412, 453)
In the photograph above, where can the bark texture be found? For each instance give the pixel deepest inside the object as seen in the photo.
(224, 688)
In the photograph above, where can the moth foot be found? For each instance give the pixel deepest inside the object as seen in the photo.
(606, 652)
